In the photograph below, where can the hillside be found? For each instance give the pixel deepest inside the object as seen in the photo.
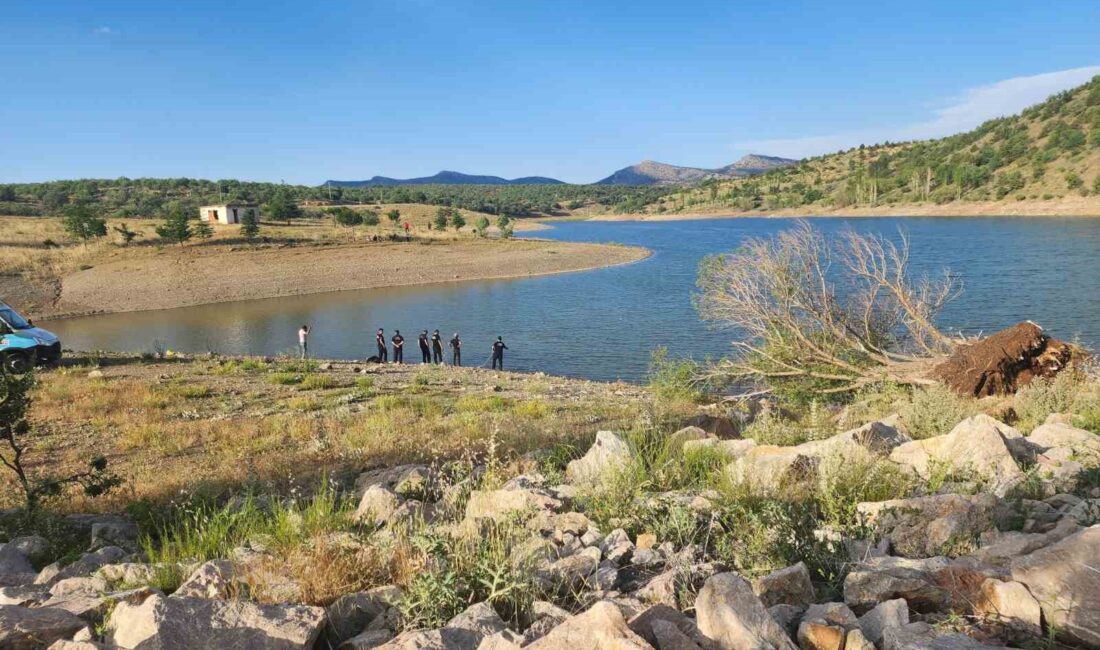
(1031, 163)
(651, 172)
(447, 178)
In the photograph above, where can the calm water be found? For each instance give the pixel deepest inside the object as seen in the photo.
(603, 324)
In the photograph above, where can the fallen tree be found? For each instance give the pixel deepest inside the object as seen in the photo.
(817, 315)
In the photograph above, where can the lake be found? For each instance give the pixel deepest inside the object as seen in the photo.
(603, 324)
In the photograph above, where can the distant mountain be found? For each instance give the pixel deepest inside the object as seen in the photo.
(448, 178)
(651, 172)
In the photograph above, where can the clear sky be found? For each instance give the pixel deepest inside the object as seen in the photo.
(306, 91)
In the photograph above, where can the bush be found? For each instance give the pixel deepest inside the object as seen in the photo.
(674, 379)
(935, 410)
(317, 382)
(285, 378)
(1069, 392)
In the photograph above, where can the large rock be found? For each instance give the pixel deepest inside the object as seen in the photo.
(377, 505)
(496, 504)
(15, 568)
(608, 455)
(728, 612)
(934, 525)
(1003, 362)
(409, 481)
(790, 586)
(88, 564)
(885, 615)
(28, 629)
(1011, 603)
(975, 449)
(1058, 435)
(1065, 578)
(213, 579)
(161, 623)
(602, 627)
(825, 627)
(770, 466)
(922, 636)
(350, 614)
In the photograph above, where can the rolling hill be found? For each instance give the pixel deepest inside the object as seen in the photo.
(651, 172)
(446, 178)
(1044, 160)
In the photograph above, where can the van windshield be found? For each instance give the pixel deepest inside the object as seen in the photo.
(13, 319)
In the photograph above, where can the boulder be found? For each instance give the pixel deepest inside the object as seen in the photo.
(377, 505)
(669, 637)
(790, 586)
(506, 640)
(719, 426)
(350, 614)
(770, 466)
(1011, 603)
(171, 623)
(866, 587)
(15, 568)
(728, 612)
(922, 636)
(676, 440)
(608, 455)
(496, 504)
(213, 579)
(368, 640)
(1003, 362)
(35, 547)
(88, 564)
(571, 573)
(474, 624)
(1001, 548)
(885, 615)
(28, 629)
(1065, 578)
(601, 627)
(929, 526)
(731, 449)
(644, 624)
(24, 596)
(1056, 435)
(974, 449)
(409, 481)
(857, 641)
(667, 587)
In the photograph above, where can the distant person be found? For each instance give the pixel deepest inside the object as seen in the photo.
(398, 347)
(456, 350)
(437, 347)
(303, 341)
(498, 353)
(380, 341)
(406, 231)
(425, 351)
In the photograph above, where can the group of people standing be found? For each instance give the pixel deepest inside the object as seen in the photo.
(431, 347)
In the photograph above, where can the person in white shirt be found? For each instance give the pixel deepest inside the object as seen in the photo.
(303, 341)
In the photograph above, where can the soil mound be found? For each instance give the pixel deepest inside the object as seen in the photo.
(1003, 362)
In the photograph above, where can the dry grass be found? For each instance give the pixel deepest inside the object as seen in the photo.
(211, 426)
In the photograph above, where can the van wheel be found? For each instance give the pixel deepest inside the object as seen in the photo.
(18, 362)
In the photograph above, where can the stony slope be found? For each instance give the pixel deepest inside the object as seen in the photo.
(651, 172)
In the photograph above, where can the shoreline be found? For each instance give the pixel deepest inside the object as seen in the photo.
(180, 279)
(1072, 207)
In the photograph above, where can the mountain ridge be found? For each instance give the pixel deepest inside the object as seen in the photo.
(652, 172)
(446, 177)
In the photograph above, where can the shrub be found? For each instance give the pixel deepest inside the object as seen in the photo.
(1069, 392)
(285, 378)
(935, 410)
(673, 379)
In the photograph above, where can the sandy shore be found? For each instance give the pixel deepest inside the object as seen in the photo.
(1074, 206)
(194, 275)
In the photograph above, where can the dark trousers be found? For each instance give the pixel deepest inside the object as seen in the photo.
(498, 360)
(398, 354)
(425, 355)
(437, 355)
(456, 357)
(383, 355)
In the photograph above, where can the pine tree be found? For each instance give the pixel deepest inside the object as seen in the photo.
(203, 230)
(250, 227)
(176, 226)
(481, 226)
(127, 235)
(441, 218)
(457, 222)
(82, 224)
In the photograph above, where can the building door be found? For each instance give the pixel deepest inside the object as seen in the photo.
(235, 220)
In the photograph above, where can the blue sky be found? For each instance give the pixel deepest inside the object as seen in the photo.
(303, 92)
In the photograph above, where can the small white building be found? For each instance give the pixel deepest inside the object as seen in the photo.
(228, 213)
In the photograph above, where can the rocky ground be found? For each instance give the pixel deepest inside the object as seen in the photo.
(994, 542)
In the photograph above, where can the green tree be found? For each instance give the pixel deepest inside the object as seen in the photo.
(481, 225)
(15, 429)
(1074, 181)
(507, 230)
(457, 222)
(441, 217)
(127, 235)
(345, 216)
(502, 222)
(203, 230)
(250, 226)
(370, 218)
(7, 193)
(283, 207)
(176, 226)
(81, 223)
(394, 216)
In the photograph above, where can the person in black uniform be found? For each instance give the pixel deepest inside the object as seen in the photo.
(425, 352)
(398, 347)
(456, 350)
(380, 339)
(437, 347)
(498, 353)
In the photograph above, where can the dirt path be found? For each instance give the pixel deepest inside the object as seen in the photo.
(193, 276)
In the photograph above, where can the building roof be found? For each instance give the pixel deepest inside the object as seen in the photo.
(231, 205)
